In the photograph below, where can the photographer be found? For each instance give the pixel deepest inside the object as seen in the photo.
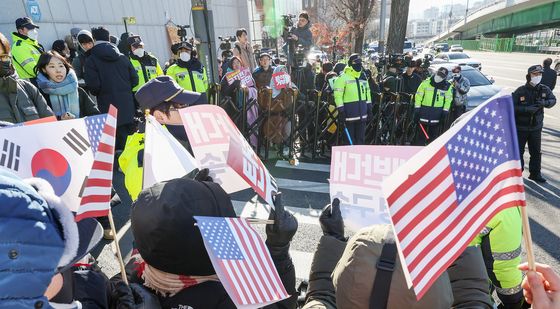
(301, 34)
(243, 50)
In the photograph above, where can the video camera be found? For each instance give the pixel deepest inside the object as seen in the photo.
(288, 21)
(225, 45)
(182, 32)
(426, 61)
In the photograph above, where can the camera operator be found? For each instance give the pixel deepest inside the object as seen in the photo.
(243, 50)
(301, 34)
(410, 80)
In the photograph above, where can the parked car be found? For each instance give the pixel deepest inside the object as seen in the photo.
(482, 88)
(444, 47)
(459, 58)
(456, 48)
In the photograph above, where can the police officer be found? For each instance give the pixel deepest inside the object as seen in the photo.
(529, 101)
(145, 64)
(352, 98)
(26, 49)
(188, 71)
(432, 102)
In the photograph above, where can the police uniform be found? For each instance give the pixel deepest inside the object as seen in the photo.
(529, 102)
(190, 75)
(25, 51)
(147, 67)
(500, 242)
(432, 103)
(352, 98)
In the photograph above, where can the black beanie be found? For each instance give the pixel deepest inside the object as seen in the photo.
(164, 228)
(100, 34)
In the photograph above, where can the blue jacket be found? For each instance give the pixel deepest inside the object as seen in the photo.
(31, 245)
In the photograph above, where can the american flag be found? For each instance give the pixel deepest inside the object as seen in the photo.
(242, 261)
(97, 191)
(94, 125)
(441, 198)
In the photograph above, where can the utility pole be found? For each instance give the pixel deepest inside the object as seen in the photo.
(382, 15)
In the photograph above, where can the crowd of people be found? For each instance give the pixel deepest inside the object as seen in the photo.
(47, 262)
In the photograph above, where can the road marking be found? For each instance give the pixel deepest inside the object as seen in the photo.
(251, 210)
(316, 167)
(504, 68)
(302, 185)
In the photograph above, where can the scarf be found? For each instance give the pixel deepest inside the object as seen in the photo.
(166, 284)
(64, 95)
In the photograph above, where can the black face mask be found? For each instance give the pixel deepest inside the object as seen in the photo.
(357, 67)
(6, 68)
(178, 131)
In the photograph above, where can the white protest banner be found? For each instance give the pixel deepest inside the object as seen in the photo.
(164, 157)
(249, 166)
(356, 176)
(210, 130)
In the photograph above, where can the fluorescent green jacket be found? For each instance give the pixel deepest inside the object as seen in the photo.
(25, 54)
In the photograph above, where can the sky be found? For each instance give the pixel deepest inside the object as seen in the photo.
(417, 7)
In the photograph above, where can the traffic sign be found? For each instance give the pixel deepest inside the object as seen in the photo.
(33, 10)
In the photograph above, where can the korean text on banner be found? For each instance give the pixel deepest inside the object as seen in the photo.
(210, 129)
(356, 176)
(249, 166)
(243, 75)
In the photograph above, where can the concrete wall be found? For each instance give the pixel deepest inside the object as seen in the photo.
(59, 16)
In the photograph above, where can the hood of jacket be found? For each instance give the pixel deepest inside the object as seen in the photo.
(106, 51)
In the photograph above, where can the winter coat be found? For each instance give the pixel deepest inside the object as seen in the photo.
(20, 101)
(87, 106)
(305, 37)
(110, 76)
(525, 99)
(211, 294)
(549, 78)
(245, 53)
(25, 53)
(410, 83)
(262, 77)
(460, 89)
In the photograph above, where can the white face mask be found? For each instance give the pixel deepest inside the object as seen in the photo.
(438, 79)
(184, 56)
(456, 75)
(33, 34)
(535, 80)
(139, 52)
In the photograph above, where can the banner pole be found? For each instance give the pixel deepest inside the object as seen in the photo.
(527, 238)
(118, 248)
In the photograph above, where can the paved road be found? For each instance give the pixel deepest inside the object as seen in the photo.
(305, 187)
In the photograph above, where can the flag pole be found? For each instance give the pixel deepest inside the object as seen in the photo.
(118, 248)
(527, 237)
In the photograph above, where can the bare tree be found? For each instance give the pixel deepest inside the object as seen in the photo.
(397, 26)
(356, 14)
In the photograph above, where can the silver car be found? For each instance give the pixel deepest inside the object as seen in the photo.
(456, 48)
(482, 88)
(459, 58)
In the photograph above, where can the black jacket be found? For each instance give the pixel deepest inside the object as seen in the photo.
(549, 78)
(410, 83)
(529, 113)
(110, 76)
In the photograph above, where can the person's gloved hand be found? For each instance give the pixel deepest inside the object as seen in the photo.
(285, 225)
(203, 175)
(416, 116)
(120, 295)
(532, 108)
(341, 115)
(331, 220)
(143, 298)
(541, 103)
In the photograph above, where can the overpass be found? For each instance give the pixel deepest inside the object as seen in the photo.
(505, 19)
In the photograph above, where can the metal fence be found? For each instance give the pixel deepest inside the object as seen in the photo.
(537, 42)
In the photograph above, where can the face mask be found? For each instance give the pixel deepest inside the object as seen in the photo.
(535, 80)
(357, 67)
(184, 56)
(456, 75)
(33, 34)
(6, 68)
(178, 131)
(139, 52)
(438, 79)
(393, 70)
